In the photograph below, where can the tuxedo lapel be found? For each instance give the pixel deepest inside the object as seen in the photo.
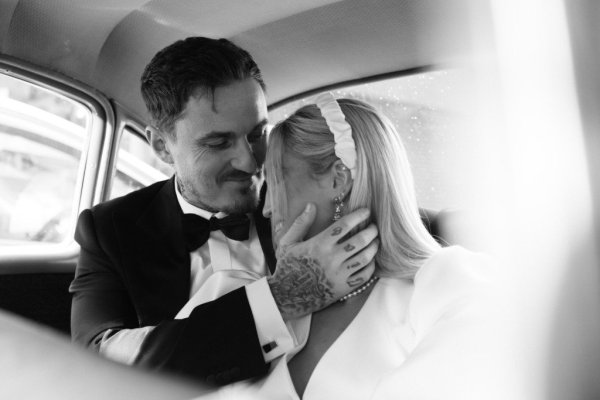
(157, 265)
(263, 228)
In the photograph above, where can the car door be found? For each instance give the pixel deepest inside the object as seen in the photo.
(53, 137)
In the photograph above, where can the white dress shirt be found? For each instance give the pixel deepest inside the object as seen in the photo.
(218, 267)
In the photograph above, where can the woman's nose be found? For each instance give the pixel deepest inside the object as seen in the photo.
(267, 207)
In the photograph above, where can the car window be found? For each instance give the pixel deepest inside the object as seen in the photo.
(137, 166)
(42, 140)
(427, 110)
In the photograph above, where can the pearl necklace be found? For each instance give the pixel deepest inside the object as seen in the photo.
(360, 289)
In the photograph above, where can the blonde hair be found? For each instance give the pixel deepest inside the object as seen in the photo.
(383, 181)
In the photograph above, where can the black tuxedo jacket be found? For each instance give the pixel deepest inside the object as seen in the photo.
(134, 271)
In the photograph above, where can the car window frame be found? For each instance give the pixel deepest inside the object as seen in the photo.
(91, 178)
(123, 121)
(360, 81)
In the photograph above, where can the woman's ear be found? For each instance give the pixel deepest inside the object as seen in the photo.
(158, 144)
(342, 177)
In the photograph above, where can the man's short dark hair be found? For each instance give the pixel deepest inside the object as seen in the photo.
(197, 63)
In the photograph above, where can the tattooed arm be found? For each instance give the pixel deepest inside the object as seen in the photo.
(300, 286)
(311, 275)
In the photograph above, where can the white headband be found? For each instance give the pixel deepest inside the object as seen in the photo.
(345, 148)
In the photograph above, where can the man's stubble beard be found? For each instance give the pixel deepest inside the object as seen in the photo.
(250, 199)
(247, 202)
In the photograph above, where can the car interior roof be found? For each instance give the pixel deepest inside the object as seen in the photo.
(300, 46)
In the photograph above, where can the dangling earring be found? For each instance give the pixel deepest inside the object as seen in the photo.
(339, 206)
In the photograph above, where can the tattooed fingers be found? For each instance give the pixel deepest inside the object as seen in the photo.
(362, 265)
(361, 276)
(359, 241)
(349, 247)
(355, 281)
(364, 257)
(347, 223)
(353, 265)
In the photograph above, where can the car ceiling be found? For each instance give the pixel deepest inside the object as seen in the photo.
(300, 46)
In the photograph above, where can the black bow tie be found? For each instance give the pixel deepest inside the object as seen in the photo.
(196, 229)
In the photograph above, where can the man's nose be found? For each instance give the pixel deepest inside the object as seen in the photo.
(244, 159)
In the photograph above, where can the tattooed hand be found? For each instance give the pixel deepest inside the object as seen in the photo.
(311, 275)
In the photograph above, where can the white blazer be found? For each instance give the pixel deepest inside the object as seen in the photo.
(433, 338)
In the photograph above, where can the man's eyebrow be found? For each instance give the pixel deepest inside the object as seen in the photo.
(228, 134)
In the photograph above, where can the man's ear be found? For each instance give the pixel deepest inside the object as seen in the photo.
(159, 144)
(342, 177)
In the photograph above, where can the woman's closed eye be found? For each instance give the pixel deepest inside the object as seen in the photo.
(256, 136)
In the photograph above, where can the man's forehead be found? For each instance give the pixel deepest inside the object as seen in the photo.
(239, 104)
(245, 93)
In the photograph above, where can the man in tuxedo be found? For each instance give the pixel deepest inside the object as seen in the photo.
(181, 275)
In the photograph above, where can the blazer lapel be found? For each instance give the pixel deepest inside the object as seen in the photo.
(157, 265)
(263, 228)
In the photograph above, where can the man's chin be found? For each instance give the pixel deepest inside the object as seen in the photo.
(245, 201)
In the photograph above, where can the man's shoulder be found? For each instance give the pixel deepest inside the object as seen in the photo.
(132, 202)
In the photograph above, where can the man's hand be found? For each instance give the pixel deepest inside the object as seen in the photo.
(311, 275)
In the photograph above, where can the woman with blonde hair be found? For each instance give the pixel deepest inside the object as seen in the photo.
(415, 329)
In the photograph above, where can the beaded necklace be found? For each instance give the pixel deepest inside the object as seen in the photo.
(361, 289)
